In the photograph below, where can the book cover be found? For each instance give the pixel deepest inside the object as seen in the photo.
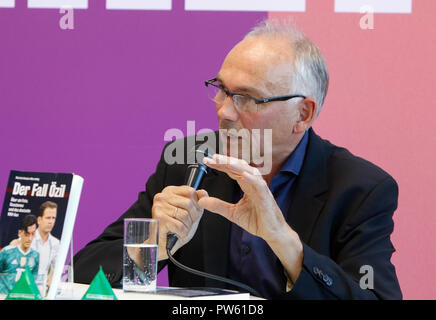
(36, 225)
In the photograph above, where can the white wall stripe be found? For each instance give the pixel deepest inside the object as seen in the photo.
(352, 6)
(7, 3)
(139, 4)
(56, 4)
(380, 6)
(246, 5)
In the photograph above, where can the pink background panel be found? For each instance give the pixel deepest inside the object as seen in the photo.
(381, 106)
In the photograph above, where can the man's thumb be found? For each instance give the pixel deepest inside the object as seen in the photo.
(201, 194)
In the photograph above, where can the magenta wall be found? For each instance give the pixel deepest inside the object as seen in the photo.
(98, 99)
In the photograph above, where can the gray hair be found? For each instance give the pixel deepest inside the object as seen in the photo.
(311, 76)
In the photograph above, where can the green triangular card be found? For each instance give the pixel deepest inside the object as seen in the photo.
(100, 288)
(25, 288)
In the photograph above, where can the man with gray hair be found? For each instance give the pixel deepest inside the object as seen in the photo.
(302, 230)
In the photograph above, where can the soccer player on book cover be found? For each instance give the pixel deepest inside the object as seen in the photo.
(15, 258)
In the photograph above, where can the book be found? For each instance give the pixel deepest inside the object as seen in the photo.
(52, 200)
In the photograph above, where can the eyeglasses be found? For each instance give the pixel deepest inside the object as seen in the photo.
(242, 102)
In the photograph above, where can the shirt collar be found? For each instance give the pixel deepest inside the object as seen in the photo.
(294, 163)
(38, 236)
(21, 250)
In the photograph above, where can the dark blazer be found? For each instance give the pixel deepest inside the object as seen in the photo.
(342, 210)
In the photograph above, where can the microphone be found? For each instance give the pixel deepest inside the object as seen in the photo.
(195, 175)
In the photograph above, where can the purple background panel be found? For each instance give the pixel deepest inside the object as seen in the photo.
(98, 99)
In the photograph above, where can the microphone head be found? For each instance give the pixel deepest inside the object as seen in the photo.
(198, 170)
(202, 150)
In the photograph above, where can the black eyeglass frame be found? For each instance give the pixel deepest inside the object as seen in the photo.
(257, 101)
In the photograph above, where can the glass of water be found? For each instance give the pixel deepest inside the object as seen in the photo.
(140, 254)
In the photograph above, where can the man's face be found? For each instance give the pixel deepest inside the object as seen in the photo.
(27, 237)
(260, 68)
(48, 219)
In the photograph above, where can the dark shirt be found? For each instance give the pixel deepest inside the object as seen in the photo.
(251, 259)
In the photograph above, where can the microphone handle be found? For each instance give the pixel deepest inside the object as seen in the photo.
(196, 174)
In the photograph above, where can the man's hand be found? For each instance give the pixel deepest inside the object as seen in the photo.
(257, 212)
(15, 242)
(178, 212)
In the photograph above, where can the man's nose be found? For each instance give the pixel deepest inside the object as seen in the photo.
(227, 111)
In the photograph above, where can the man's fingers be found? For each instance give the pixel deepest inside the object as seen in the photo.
(248, 177)
(175, 226)
(201, 194)
(216, 205)
(184, 191)
(170, 201)
(230, 165)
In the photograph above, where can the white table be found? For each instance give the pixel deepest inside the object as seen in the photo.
(75, 291)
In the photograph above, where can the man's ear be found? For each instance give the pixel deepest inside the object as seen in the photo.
(307, 109)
